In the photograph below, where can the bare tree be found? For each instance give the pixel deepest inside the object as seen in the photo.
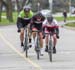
(9, 10)
(20, 7)
(23, 3)
(0, 8)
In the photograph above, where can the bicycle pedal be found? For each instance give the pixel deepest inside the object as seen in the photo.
(37, 49)
(41, 54)
(30, 45)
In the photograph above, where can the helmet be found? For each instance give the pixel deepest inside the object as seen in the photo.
(26, 8)
(38, 14)
(50, 18)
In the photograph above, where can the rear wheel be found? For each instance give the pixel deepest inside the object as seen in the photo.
(38, 49)
(50, 50)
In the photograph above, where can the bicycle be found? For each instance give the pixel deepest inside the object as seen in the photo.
(50, 45)
(26, 42)
(37, 44)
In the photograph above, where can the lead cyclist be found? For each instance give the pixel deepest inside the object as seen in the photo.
(23, 20)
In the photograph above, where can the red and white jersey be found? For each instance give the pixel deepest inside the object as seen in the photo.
(54, 23)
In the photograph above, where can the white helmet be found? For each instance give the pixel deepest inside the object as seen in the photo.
(26, 8)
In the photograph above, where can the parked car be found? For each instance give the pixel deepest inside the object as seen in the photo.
(46, 12)
(73, 10)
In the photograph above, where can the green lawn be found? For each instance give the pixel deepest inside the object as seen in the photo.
(6, 22)
(15, 14)
(70, 24)
(61, 18)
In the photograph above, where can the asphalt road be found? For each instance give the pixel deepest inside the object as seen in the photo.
(12, 56)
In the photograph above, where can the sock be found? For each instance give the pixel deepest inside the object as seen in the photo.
(29, 40)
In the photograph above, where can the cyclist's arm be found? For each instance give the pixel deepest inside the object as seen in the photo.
(57, 28)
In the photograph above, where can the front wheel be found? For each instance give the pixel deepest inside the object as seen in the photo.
(38, 55)
(50, 50)
(26, 47)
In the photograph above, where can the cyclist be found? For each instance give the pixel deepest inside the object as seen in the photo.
(50, 24)
(65, 15)
(23, 20)
(37, 22)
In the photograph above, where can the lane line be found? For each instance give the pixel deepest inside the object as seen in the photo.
(19, 53)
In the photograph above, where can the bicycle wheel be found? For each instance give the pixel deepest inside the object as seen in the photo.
(25, 47)
(50, 50)
(38, 49)
(26, 44)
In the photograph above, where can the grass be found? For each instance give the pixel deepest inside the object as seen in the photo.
(4, 21)
(68, 18)
(15, 14)
(70, 24)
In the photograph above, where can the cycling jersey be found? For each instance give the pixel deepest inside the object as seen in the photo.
(23, 15)
(53, 23)
(53, 26)
(24, 19)
(36, 23)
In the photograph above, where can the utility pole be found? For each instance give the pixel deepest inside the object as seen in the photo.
(0, 9)
(50, 5)
(38, 4)
(70, 7)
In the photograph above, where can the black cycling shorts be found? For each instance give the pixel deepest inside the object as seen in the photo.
(21, 23)
(37, 26)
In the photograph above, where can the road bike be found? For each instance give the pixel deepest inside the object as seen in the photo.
(37, 44)
(50, 45)
(26, 41)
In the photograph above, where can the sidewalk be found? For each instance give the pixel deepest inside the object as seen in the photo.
(60, 14)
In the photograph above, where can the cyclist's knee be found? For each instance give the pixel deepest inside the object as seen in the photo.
(41, 36)
(54, 37)
(34, 34)
(22, 32)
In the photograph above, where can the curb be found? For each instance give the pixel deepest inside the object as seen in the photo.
(68, 27)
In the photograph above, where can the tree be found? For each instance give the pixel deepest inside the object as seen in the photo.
(20, 6)
(8, 5)
(9, 10)
(0, 8)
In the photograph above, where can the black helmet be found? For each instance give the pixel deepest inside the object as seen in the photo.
(26, 8)
(38, 14)
(50, 18)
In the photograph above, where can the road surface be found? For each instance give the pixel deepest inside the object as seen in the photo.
(12, 56)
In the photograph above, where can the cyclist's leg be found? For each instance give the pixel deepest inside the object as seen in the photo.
(22, 36)
(30, 35)
(41, 39)
(55, 42)
(46, 39)
(41, 43)
(34, 33)
(55, 39)
(22, 32)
